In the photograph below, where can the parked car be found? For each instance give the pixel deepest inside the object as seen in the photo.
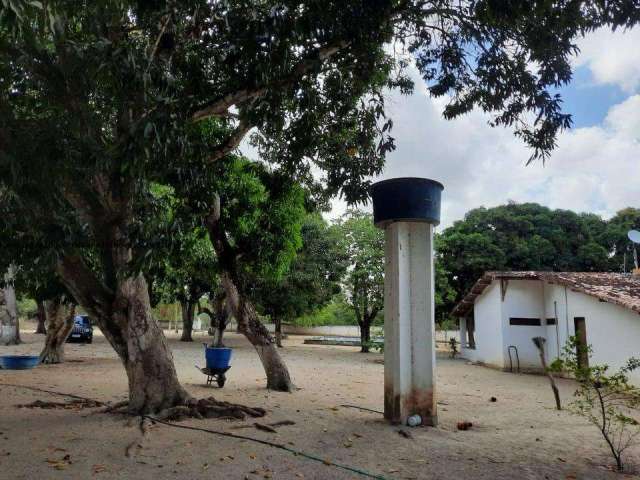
(82, 330)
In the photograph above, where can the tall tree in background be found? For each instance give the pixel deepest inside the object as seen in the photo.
(38, 280)
(98, 101)
(312, 280)
(524, 236)
(363, 244)
(254, 220)
(615, 240)
(186, 272)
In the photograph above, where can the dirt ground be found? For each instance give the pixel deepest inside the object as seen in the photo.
(520, 436)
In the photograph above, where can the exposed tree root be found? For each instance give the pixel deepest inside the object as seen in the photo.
(118, 407)
(209, 408)
(137, 444)
(76, 404)
(52, 392)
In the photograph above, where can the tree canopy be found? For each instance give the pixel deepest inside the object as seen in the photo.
(312, 280)
(102, 100)
(529, 236)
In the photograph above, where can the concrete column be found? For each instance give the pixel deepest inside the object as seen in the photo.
(409, 331)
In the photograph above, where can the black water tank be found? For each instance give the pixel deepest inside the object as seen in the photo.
(408, 199)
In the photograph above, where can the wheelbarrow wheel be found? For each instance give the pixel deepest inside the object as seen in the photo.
(221, 379)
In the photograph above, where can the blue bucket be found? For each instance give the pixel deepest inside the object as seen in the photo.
(18, 362)
(217, 357)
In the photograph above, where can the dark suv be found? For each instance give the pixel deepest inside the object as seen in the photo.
(82, 330)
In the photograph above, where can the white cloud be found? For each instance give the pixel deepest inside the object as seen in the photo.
(594, 169)
(612, 57)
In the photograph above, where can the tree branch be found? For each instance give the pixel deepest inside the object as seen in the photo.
(232, 141)
(220, 106)
(87, 290)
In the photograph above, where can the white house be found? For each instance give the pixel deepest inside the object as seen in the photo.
(505, 310)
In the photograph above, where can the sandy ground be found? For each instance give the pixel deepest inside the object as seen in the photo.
(518, 437)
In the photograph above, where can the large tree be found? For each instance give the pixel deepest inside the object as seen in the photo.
(185, 272)
(614, 238)
(363, 244)
(38, 280)
(311, 281)
(524, 236)
(98, 101)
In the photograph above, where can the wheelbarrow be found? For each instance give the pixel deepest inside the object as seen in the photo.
(217, 364)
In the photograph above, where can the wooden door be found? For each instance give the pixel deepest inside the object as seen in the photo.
(582, 349)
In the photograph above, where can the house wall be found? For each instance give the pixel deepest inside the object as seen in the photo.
(555, 307)
(612, 331)
(524, 299)
(488, 334)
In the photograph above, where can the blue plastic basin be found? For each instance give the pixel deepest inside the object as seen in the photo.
(18, 362)
(217, 357)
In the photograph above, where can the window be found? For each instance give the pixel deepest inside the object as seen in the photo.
(529, 322)
(551, 321)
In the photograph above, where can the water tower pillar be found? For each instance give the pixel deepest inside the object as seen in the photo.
(408, 209)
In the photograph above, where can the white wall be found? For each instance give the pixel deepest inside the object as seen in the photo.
(612, 331)
(523, 300)
(555, 305)
(488, 334)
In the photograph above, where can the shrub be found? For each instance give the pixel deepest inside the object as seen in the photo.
(607, 400)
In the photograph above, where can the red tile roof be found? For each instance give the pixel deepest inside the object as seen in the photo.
(618, 288)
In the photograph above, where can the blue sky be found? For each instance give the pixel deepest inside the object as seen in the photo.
(587, 100)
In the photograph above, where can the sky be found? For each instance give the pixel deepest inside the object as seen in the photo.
(595, 168)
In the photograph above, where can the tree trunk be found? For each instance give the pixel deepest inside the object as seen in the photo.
(188, 310)
(59, 325)
(9, 324)
(41, 316)
(153, 382)
(278, 324)
(248, 322)
(222, 318)
(251, 327)
(539, 343)
(365, 335)
(126, 321)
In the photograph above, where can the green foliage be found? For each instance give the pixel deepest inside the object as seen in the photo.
(447, 324)
(263, 214)
(606, 399)
(337, 312)
(313, 278)
(101, 98)
(614, 237)
(526, 236)
(376, 344)
(27, 307)
(363, 245)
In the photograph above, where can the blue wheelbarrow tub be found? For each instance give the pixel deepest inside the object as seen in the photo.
(217, 358)
(18, 362)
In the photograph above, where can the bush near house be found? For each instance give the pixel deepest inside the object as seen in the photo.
(606, 399)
